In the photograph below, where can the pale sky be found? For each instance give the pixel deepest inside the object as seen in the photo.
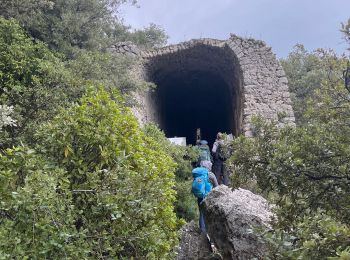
(280, 23)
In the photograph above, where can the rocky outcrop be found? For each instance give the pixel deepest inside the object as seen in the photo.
(193, 244)
(231, 217)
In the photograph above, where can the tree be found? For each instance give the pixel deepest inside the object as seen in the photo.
(305, 72)
(345, 29)
(148, 37)
(114, 71)
(70, 25)
(34, 81)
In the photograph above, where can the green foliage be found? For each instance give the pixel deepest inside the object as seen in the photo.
(33, 80)
(345, 29)
(95, 186)
(185, 204)
(148, 37)
(37, 216)
(100, 145)
(109, 70)
(71, 25)
(306, 73)
(315, 237)
(306, 167)
(303, 171)
(65, 25)
(100, 189)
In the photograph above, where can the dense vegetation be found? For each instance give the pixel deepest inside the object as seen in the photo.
(185, 158)
(304, 171)
(79, 178)
(105, 186)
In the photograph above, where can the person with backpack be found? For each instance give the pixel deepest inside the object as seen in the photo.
(201, 186)
(212, 177)
(219, 155)
(204, 152)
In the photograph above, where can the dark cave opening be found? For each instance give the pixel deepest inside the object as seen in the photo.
(199, 87)
(192, 100)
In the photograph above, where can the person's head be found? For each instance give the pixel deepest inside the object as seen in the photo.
(203, 142)
(206, 164)
(219, 136)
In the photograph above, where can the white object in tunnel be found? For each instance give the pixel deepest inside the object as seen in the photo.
(178, 140)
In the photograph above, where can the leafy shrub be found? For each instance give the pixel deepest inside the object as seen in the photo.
(303, 172)
(33, 80)
(110, 70)
(304, 168)
(315, 237)
(110, 194)
(185, 204)
(36, 82)
(36, 210)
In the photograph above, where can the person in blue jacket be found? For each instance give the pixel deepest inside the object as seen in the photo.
(202, 184)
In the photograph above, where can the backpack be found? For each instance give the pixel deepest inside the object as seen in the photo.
(204, 154)
(201, 185)
(223, 151)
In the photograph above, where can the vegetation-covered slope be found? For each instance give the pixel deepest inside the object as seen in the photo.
(79, 179)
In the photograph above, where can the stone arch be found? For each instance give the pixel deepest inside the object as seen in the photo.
(199, 86)
(247, 69)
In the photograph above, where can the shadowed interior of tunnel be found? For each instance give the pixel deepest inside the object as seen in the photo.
(196, 88)
(192, 100)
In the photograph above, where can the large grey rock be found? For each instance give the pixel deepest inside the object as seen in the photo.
(193, 244)
(231, 217)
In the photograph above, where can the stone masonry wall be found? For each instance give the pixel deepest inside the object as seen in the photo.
(263, 84)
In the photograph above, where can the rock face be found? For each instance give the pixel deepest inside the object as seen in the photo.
(230, 218)
(193, 244)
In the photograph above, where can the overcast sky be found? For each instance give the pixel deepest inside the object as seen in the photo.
(280, 23)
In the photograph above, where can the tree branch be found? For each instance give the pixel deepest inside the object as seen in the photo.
(346, 77)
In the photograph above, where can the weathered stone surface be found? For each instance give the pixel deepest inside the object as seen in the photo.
(230, 218)
(193, 244)
(248, 66)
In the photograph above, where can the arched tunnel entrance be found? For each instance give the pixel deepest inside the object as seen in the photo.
(192, 100)
(198, 87)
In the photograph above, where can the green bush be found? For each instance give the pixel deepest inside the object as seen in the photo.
(185, 205)
(303, 172)
(36, 210)
(33, 80)
(108, 189)
(315, 237)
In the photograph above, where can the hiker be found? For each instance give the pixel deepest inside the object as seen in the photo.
(212, 177)
(201, 186)
(204, 152)
(219, 160)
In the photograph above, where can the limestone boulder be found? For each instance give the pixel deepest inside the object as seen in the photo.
(231, 218)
